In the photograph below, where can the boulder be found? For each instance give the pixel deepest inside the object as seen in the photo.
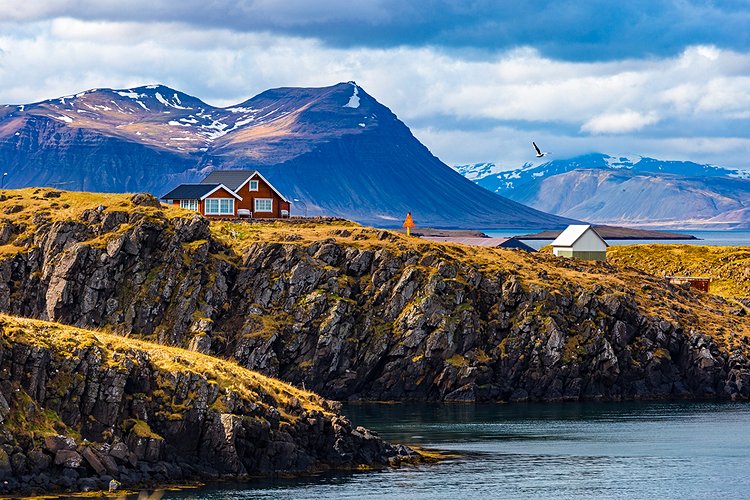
(5, 467)
(53, 444)
(68, 458)
(119, 451)
(38, 460)
(145, 199)
(93, 460)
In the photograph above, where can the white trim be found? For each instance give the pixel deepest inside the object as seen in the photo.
(220, 186)
(255, 205)
(247, 179)
(219, 212)
(250, 185)
(189, 201)
(283, 198)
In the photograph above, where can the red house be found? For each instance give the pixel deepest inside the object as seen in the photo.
(231, 193)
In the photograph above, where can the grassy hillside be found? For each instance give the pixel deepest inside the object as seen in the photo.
(728, 267)
(67, 343)
(25, 211)
(357, 312)
(728, 264)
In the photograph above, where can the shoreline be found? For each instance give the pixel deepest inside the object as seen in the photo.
(606, 232)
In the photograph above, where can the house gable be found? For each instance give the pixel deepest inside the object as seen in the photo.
(279, 206)
(580, 237)
(258, 176)
(221, 191)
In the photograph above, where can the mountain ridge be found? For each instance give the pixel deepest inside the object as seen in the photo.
(336, 149)
(626, 190)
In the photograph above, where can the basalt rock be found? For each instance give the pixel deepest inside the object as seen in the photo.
(140, 424)
(382, 322)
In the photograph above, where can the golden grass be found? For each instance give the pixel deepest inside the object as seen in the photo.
(31, 207)
(629, 269)
(249, 385)
(693, 312)
(728, 267)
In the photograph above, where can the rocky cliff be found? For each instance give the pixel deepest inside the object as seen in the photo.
(357, 313)
(80, 408)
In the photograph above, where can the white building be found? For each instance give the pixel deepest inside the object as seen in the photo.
(580, 242)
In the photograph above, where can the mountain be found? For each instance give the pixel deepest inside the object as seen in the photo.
(626, 190)
(336, 149)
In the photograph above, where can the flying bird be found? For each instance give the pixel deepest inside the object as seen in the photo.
(539, 153)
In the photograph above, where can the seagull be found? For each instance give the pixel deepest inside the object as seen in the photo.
(539, 153)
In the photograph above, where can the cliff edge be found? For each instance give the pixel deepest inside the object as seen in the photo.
(358, 313)
(79, 408)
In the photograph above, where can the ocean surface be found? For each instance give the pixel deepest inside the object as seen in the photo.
(712, 238)
(658, 450)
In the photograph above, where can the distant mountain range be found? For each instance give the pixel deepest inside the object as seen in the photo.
(336, 149)
(635, 191)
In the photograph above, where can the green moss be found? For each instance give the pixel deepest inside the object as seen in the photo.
(457, 361)
(141, 429)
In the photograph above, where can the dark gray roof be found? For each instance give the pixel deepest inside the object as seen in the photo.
(189, 191)
(482, 242)
(232, 179)
(517, 244)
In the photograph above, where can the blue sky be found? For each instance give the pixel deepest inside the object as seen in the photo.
(475, 80)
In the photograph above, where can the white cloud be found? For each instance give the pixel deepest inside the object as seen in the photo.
(464, 108)
(619, 123)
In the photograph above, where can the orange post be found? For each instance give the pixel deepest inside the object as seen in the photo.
(408, 224)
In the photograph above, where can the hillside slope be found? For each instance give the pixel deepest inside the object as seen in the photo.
(78, 408)
(336, 149)
(358, 313)
(632, 191)
(728, 267)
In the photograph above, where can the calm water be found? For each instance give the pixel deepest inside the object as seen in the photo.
(592, 450)
(712, 238)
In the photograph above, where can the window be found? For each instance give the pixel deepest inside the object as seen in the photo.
(219, 206)
(263, 205)
(189, 204)
(253, 186)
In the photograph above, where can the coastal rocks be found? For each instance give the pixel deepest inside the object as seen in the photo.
(140, 423)
(68, 458)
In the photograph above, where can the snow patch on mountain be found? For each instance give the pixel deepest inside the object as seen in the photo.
(240, 109)
(63, 118)
(161, 99)
(354, 99)
(130, 94)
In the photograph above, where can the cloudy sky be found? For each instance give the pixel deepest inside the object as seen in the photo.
(476, 80)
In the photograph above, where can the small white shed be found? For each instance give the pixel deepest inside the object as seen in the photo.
(580, 241)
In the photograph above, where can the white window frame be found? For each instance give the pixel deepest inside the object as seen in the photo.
(263, 210)
(252, 185)
(224, 206)
(189, 205)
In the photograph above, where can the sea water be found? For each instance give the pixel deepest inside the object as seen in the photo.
(711, 238)
(658, 450)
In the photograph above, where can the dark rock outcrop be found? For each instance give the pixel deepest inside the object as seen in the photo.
(382, 320)
(141, 418)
